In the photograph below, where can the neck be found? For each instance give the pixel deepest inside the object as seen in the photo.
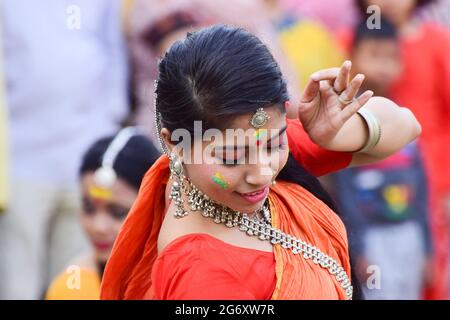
(377, 90)
(101, 267)
(408, 28)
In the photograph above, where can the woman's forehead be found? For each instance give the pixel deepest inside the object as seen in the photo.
(276, 119)
(120, 191)
(243, 133)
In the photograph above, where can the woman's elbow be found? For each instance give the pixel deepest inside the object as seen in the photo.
(399, 117)
(414, 124)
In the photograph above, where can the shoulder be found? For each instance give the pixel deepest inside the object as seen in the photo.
(436, 31)
(79, 280)
(188, 244)
(436, 39)
(175, 229)
(75, 283)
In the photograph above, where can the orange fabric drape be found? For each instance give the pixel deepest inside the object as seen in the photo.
(297, 212)
(294, 210)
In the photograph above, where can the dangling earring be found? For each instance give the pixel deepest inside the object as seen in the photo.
(274, 182)
(176, 173)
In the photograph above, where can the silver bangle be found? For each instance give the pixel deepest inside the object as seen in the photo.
(374, 130)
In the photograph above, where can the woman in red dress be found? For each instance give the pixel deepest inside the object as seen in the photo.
(276, 233)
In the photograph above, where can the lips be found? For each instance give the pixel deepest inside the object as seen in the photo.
(102, 246)
(256, 196)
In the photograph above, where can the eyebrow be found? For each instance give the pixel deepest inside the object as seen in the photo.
(280, 132)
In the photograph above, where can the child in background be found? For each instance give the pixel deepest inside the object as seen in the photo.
(423, 88)
(106, 200)
(385, 205)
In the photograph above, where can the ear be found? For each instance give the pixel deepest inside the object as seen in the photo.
(291, 110)
(171, 147)
(165, 135)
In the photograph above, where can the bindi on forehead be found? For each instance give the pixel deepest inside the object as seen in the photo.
(99, 193)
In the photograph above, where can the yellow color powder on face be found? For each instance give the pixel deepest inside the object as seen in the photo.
(100, 193)
(220, 180)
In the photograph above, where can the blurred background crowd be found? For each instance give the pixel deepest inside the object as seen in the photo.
(73, 73)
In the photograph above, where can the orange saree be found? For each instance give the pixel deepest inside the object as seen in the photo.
(294, 210)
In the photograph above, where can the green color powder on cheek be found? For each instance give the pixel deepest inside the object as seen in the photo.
(220, 180)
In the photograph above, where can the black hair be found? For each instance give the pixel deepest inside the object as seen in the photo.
(386, 30)
(362, 5)
(218, 73)
(131, 163)
(214, 75)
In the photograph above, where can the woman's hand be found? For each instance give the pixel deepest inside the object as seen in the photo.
(328, 102)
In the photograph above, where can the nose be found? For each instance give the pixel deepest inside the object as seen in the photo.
(101, 223)
(259, 175)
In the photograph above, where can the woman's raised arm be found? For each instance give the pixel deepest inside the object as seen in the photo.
(329, 113)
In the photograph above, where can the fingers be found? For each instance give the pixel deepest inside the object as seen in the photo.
(326, 89)
(343, 77)
(311, 90)
(326, 74)
(353, 107)
(352, 89)
(313, 86)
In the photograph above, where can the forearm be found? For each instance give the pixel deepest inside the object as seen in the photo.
(398, 128)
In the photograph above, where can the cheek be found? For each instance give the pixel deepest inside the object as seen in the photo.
(116, 225)
(215, 179)
(405, 6)
(87, 223)
(283, 158)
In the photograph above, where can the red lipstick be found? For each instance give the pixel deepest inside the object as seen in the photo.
(256, 196)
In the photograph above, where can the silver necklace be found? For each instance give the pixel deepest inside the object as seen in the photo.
(258, 225)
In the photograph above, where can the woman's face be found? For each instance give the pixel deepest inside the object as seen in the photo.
(237, 169)
(103, 212)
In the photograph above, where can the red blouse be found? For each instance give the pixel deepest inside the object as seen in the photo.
(236, 273)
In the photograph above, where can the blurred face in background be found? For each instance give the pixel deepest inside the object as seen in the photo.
(103, 212)
(397, 11)
(170, 38)
(379, 60)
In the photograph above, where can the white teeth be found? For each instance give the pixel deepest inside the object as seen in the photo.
(253, 193)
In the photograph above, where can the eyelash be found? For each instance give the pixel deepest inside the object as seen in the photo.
(235, 163)
(114, 211)
(88, 207)
(281, 145)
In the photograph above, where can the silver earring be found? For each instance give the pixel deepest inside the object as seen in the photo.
(274, 182)
(176, 173)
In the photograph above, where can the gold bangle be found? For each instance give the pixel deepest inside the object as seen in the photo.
(374, 130)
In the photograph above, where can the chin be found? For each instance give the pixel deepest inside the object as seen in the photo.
(250, 208)
(102, 257)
